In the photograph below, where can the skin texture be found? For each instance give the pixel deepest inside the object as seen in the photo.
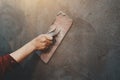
(39, 43)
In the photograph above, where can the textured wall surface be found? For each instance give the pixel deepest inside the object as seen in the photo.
(90, 51)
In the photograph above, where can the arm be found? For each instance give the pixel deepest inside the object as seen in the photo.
(39, 43)
(9, 62)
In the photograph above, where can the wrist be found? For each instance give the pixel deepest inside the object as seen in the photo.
(31, 44)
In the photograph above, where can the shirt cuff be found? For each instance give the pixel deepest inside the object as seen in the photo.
(9, 63)
(12, 61)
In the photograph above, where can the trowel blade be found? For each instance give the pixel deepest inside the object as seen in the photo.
(63, 23)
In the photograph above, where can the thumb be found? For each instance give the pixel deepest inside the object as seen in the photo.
(49, 37)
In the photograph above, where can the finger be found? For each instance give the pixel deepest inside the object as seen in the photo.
(49, 37)
(43, 39)
(43, 46)
(48, 43)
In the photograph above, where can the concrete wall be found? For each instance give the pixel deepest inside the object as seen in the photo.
(90, 51)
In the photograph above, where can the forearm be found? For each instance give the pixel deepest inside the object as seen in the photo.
(39, 43)
(23, 52)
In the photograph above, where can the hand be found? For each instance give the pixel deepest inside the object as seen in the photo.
(42, 42)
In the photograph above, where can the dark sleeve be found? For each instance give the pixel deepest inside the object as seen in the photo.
(7, 63)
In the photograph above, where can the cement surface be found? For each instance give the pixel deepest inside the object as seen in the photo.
(90, 51)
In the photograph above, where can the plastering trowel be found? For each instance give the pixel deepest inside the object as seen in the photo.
(58, 31)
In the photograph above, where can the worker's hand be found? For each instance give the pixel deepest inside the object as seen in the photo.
(42, 42)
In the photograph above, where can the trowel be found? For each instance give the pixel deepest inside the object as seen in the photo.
(57, 30)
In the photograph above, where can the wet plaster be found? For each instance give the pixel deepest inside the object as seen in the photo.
(90, 50)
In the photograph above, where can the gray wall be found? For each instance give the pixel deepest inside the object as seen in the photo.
(90, 51)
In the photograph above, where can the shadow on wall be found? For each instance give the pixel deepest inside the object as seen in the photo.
(85, 53)
(12, 23)
(12, 33)
(111, 65)
(74, 59)
(4, 46)
(71, 59)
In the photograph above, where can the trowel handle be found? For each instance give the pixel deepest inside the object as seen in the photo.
(54, 33)
(38, 52)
